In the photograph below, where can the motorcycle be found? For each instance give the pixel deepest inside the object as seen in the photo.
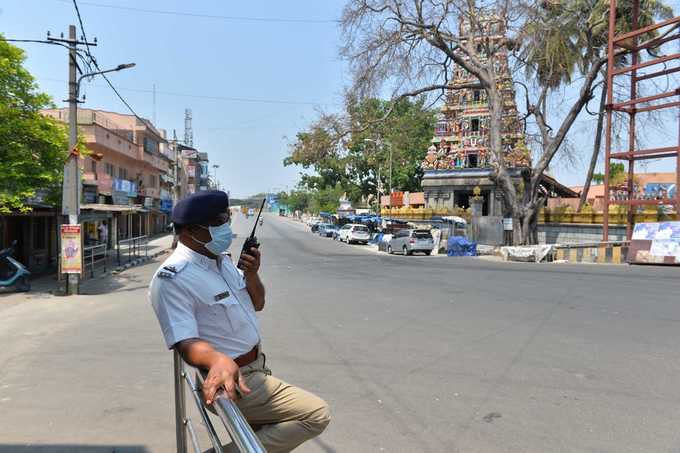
(261, 221)
(12, 272)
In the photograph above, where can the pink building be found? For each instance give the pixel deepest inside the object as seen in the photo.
(126, 178)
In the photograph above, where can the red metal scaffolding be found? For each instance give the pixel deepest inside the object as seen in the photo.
(631, 44)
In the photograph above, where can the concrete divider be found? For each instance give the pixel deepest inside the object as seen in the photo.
(613, 252)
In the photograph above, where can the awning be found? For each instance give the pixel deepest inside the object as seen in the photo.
(110, 207)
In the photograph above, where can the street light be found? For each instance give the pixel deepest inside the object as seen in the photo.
(379, 144)
(71, 181)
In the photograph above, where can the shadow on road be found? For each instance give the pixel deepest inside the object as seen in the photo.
(72, 448)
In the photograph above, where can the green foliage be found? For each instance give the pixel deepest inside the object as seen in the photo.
(617, 175)
(564, 38)
(351, 165)
(33, 148)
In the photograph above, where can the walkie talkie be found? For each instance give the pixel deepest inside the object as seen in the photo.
(251, 241)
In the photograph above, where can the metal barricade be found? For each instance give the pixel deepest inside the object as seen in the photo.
(132, 248)
(242, 436)
(94, 255)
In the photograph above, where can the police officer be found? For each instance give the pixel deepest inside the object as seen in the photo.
(206, 309)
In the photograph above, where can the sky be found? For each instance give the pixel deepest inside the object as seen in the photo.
(253, 78)
(256, 60)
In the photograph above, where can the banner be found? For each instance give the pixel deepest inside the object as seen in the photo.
(71, 253)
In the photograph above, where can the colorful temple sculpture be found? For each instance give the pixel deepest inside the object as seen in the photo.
(458, 159)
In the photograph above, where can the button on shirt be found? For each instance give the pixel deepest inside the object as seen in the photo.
(198, 297)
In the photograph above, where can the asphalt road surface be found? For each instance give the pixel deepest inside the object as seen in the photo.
(413, 354)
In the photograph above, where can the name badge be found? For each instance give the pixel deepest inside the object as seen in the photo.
(221, 296)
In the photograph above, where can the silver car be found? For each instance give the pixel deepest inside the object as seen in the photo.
(354, 233)
(410, 241)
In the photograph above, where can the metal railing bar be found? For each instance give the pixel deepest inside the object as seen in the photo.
(192, 435)
(239, 430)
(180, 403)
(214, 440)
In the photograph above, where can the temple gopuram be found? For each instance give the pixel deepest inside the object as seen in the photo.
(458, 159)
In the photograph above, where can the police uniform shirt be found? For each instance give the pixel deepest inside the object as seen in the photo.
(197, 297)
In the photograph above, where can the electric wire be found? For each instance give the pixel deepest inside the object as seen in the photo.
(208, 16)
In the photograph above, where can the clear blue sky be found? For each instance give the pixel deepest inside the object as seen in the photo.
(273, 60)
(259, 60)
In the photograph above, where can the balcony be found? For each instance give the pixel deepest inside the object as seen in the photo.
(156, 162)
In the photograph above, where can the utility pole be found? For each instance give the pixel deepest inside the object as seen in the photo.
(71, 185)
(71, 188)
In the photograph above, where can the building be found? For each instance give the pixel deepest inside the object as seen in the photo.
(651, 185)
(196, 166)
(458, 159)
(128, 178)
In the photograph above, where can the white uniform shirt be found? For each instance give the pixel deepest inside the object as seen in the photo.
(194, 298)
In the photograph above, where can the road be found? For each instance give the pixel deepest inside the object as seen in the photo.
(414, 354)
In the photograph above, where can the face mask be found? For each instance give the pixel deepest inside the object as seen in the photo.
(221, 238)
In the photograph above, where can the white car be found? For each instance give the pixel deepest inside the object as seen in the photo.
(354, 233)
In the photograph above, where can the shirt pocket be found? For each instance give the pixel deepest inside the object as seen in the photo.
(229, 311)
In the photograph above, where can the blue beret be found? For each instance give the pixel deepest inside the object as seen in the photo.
(200, 207)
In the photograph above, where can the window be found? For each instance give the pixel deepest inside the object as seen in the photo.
(422, 234)
(472, 161)
(361, 228)
(93, 167)
(152, 180)
(474, 125)
(109, 169)
(150, 146)
(122, 173)
(476, 96)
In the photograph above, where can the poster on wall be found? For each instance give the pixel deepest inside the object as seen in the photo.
(71, 253)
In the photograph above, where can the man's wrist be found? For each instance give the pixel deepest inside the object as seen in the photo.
(216, 358)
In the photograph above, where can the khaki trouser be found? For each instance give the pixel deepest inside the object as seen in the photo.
(284, 416)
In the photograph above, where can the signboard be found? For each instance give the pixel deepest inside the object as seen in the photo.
(120, 198)
(166, 206)
(507, 224)
(71, 250)
(123, 185)
(657, 242)
(148, 202)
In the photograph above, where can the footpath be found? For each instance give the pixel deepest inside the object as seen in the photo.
(47, 286)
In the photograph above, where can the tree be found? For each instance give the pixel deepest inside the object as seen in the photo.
(412, 46)
(617, 175)
(33, 148)
(353, 162)
(563, 41)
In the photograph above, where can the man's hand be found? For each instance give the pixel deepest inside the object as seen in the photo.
(224, 374)
(250, 263)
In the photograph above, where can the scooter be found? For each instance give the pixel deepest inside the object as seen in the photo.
(12, 272)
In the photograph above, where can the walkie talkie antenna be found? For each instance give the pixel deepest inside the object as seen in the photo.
(252, 234)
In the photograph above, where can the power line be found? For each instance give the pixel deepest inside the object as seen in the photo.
(96, 65)
(213, 98)
(208, 16)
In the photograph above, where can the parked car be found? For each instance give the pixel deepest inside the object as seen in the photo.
(410, 241)
(354, 233)
(327, 230)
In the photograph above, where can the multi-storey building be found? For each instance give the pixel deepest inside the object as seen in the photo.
(126, 177)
